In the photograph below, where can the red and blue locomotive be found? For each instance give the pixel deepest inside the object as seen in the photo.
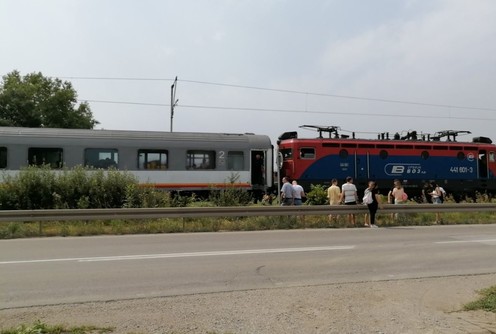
(459, 167)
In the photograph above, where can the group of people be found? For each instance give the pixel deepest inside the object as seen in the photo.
(291, 193)
(347, 194)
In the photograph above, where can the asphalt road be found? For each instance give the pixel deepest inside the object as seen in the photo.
(51, 271)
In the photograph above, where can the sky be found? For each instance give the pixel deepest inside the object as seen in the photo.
(265, 66)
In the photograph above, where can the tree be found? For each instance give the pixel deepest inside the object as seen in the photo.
(38, 101)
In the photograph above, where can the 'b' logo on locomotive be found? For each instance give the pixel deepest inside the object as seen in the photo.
(400, 169)
(397, 169)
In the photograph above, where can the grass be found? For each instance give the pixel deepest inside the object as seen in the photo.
(41, 328)
(487, 301)
(175, 225)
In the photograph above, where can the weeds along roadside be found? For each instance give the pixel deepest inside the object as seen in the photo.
(188, 225)
(82, 188)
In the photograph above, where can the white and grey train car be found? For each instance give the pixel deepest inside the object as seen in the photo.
(173, 161)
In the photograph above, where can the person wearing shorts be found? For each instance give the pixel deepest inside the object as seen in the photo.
(349, 197)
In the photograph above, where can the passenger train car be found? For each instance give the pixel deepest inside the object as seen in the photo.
(172, 161)
(460, 167)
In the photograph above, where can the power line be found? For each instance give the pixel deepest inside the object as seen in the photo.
(116, 78)
(127, 102)
(290, 110)
(288, 91)
(342, 96)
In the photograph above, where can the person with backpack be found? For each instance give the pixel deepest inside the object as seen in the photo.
(372, 199)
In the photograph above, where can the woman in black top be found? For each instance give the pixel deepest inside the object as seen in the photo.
(374, 205)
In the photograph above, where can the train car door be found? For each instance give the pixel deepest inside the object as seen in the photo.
(483, 165)
(492, 164)
(258, 168)
(362, 166)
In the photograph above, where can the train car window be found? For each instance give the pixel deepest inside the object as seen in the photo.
(307, 153)
(385, 146)
(492, 157)
(343, 154)
(153, 159)
(287, 153)
(383, 154)
(423, 147)
(235, 160)
(199, 159)
(40, 156)
(3, 157)
(440, 148)
(460, 156)
(424, 155)
(349, 145)
(101, 158)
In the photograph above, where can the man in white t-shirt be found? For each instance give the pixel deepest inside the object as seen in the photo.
(349, 196)
(298, 193)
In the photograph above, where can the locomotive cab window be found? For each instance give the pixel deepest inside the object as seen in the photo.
(492, 157)
(307, 153)
(152, 159)
(287, 153)
(3, 157)
(40, 156)
(235, 160)
(101, 158)
(198, 159)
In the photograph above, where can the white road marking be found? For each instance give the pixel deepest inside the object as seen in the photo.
(182, 255)
(465, 241)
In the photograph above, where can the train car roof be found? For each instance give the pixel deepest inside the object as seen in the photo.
(127, 135)
(359, 141)
(411, 138)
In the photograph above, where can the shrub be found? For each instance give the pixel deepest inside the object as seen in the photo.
(317, 195)
(231, 195)
(77, 188)
(177, 200)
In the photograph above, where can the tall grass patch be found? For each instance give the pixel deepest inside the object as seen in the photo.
(487, 301)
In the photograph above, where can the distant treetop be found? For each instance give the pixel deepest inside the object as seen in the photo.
(37, 101)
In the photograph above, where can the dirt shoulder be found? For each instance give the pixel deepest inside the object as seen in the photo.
(428, 305)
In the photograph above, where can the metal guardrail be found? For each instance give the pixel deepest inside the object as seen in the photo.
(156, 213)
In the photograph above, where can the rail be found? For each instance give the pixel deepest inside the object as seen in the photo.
(156, 213)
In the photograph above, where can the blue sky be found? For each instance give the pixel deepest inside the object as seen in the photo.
(432, 52)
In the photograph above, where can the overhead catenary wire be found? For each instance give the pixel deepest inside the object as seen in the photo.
(288, 110)
(288, 91)
(115, 78)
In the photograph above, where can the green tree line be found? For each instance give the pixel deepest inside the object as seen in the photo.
(37, 101)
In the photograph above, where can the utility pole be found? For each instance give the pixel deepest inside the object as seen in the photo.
(173, 102)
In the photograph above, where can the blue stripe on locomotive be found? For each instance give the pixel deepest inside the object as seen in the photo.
(393, 167)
